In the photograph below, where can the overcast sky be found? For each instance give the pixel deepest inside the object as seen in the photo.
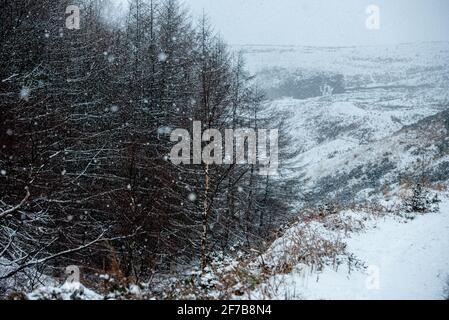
(325, 22)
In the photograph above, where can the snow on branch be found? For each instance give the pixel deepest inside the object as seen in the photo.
(20, 205)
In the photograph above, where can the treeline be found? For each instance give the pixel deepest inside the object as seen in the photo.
(85, 121)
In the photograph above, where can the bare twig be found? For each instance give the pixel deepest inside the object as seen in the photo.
(54, 256)
(14, 209)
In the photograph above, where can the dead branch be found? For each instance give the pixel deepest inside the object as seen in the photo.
(14, 209)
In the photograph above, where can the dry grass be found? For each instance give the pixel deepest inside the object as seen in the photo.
(308, 246)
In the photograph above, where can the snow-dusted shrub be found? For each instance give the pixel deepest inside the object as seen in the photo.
(68, 291)
(328, 209)
(307, 243)
(14, 287)
(346, 222)
(226, 277)
(346, 219)
(420, 200)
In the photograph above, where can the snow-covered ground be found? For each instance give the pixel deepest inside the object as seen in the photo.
(68, 291)
(402, 261)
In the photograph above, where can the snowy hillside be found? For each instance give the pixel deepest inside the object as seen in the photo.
(389, 126)
(394, 258)
(371, 65)
(353, 140)
(359, 253)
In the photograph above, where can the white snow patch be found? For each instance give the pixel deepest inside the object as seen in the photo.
(68, 291)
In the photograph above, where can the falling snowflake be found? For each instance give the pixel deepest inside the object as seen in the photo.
(114, 109)
(111, 58)
(164, 131)
(162, 57)
(64, 172)
(9, 132)
(25, 93)
(240, 189)
(3, 172)
(192, 197)
(69, 218)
